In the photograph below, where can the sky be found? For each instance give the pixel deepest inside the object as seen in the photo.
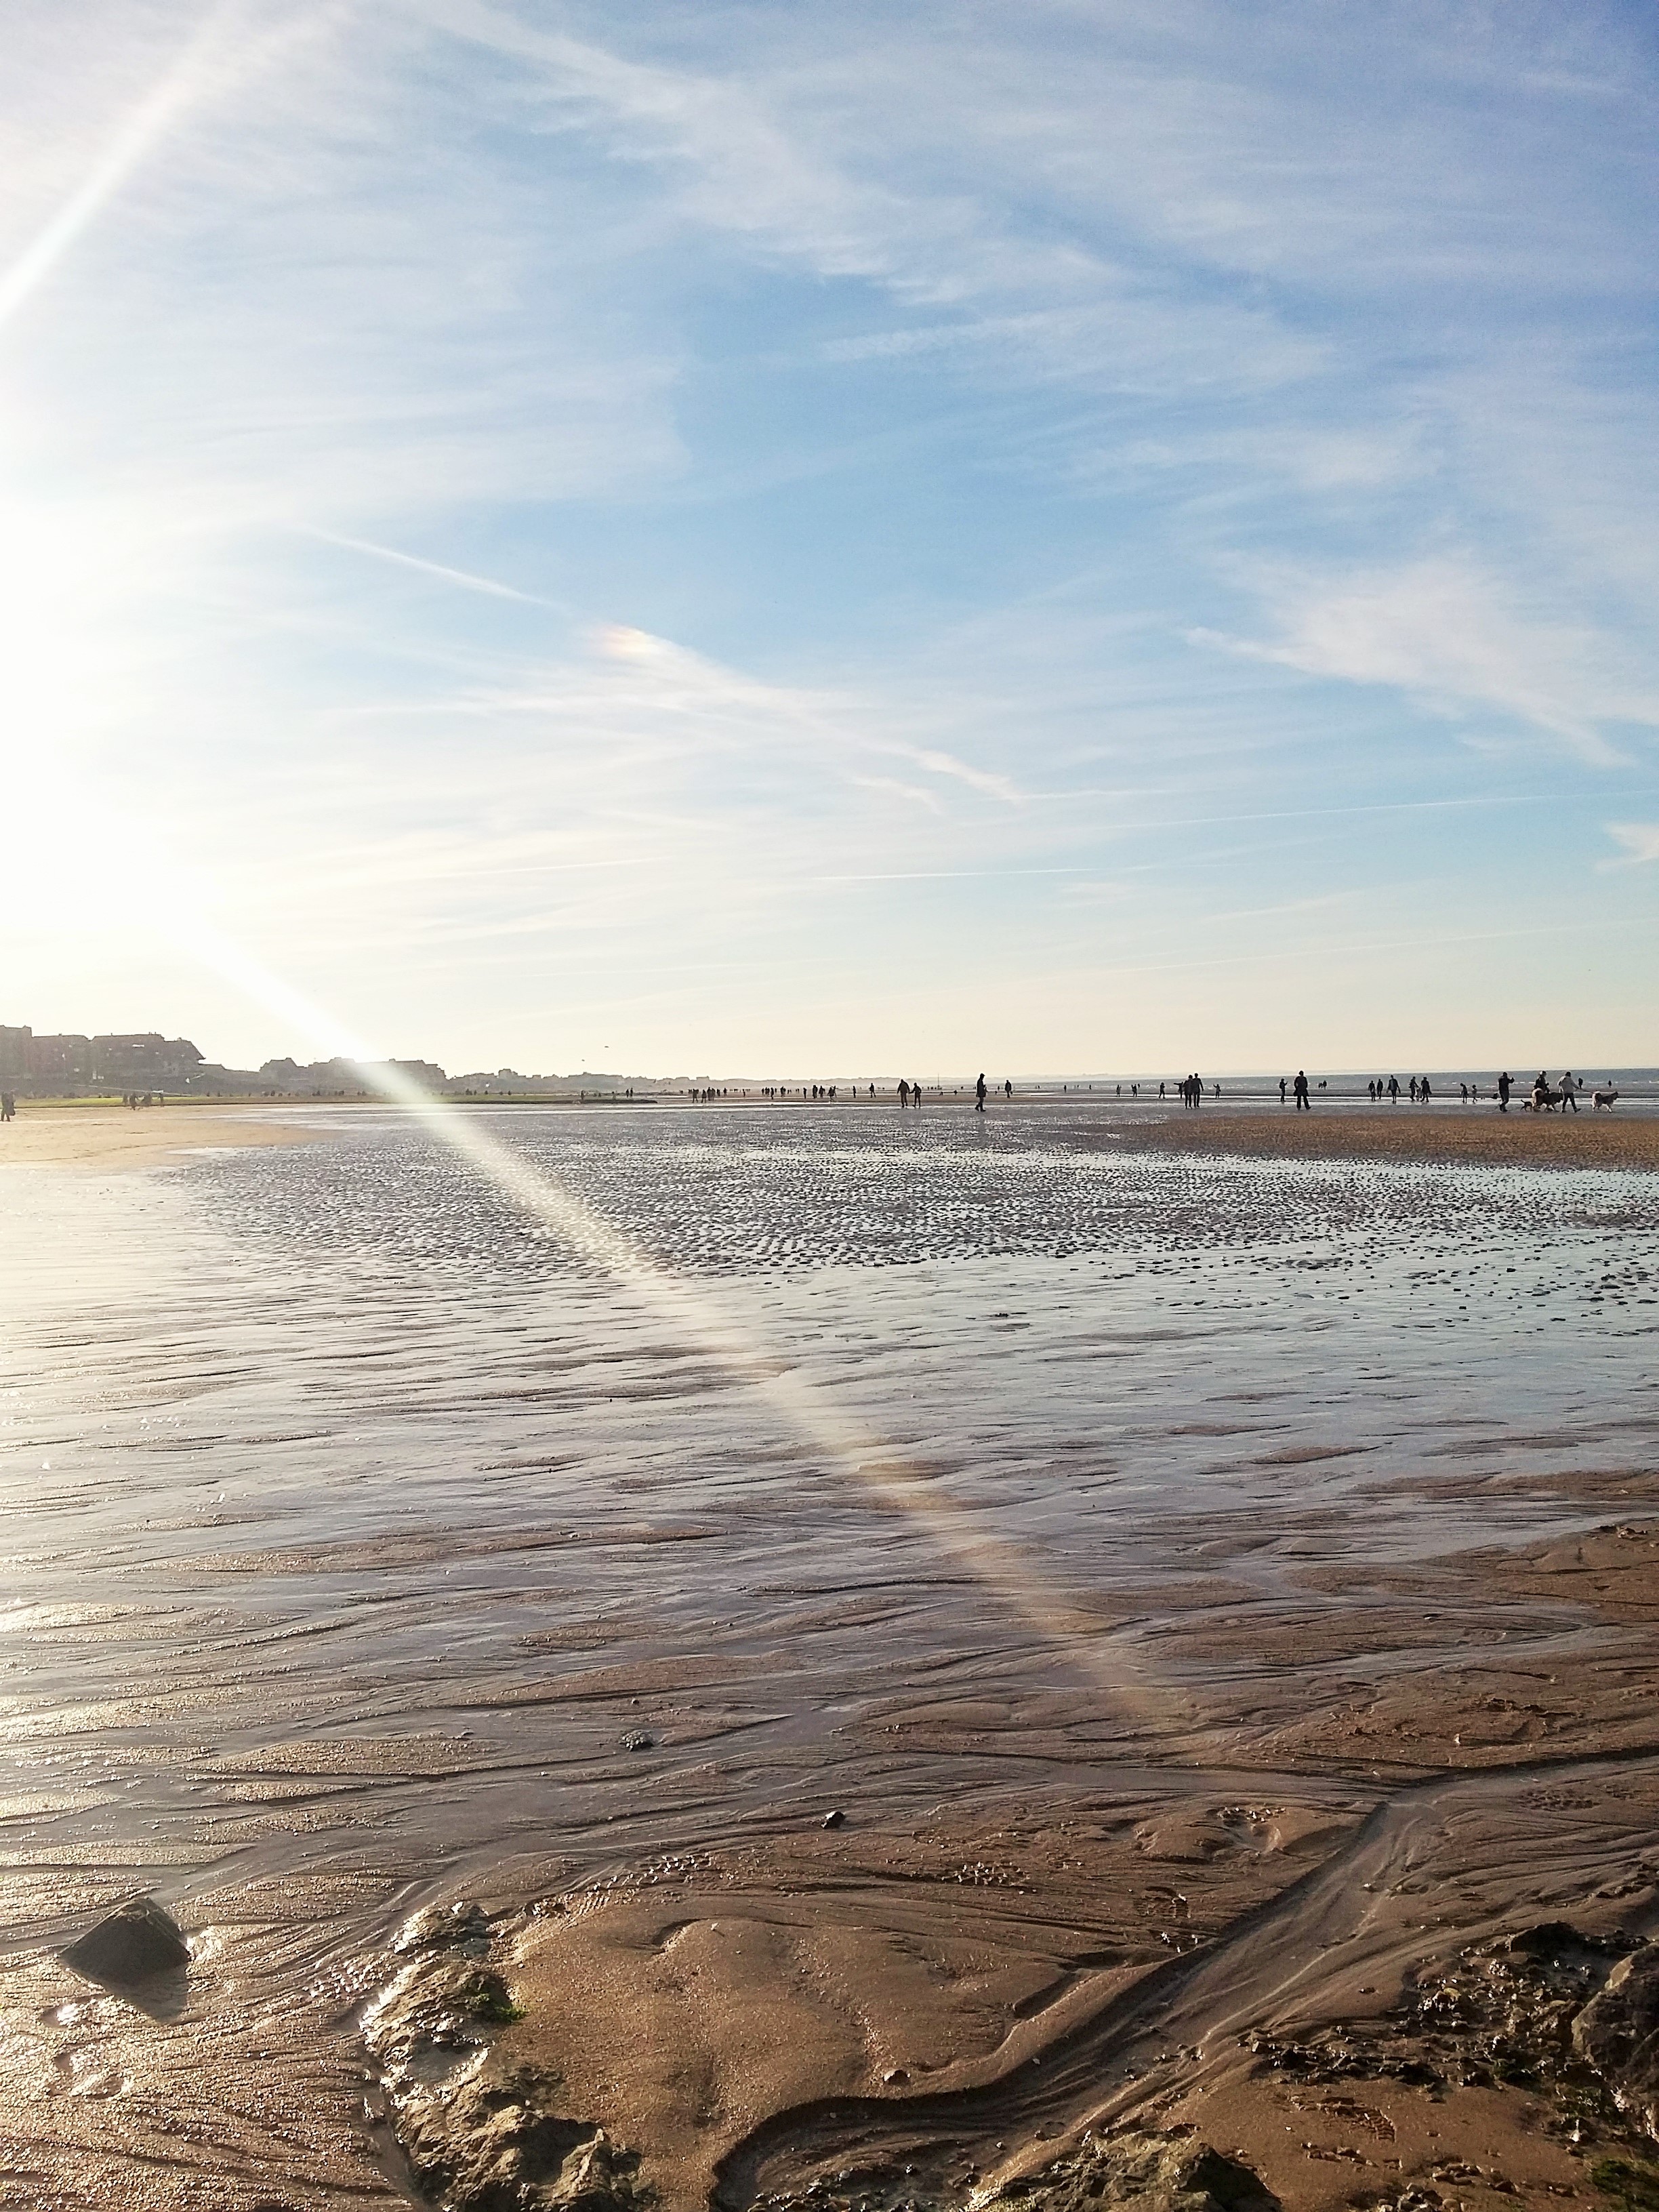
(883, 538)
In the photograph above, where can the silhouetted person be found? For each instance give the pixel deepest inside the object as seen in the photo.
(1284, 1090)
(979, 1094)
(1301, 1090)
(1504, 1086)
(1568, 1090)
(7, 1107)
(1393, 1090)
(1008, 1088)
(904, 1094)
(1423, 1093)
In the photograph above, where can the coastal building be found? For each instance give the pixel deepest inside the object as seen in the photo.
(137, 1061)
(144, 1060)
(338, 1078)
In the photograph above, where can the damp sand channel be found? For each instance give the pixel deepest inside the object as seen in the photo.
(1167, 1565)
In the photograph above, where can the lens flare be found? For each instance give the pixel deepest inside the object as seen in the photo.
(807, 1408)
(157, 115)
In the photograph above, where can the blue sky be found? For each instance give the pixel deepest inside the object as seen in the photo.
(894, 537)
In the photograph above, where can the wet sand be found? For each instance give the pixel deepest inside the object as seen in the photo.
(931, 2013)
(1476, 1135)
(93, 1135)
(1246, 1609)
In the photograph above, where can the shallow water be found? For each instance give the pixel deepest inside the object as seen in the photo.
(354, 1517)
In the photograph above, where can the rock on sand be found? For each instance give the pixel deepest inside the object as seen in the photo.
(132, 1945)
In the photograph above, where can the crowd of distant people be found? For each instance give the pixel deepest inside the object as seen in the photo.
(1544, 1098)
(1545, 1095)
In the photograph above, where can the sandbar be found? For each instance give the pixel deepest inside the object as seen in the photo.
(105, 1136)
(1478, 1137)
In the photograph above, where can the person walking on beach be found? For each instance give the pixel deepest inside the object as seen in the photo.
(979, 1094)
(904, 1094)
(1570, 1090)
(1393, 1090)
(1424, 1094)
(7, 1107)
(1301, 1087)
(1504, 1082)
(1008, 1089)
(1283, 1089)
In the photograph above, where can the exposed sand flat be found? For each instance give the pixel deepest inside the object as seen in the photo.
(1369, 1991)
(1479, 1134)
(100, 1135)
(1254, 1619)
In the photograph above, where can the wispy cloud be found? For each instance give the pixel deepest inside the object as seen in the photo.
(1445, 632)
(1640, 841)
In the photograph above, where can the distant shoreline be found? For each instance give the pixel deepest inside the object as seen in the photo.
(99, 1133)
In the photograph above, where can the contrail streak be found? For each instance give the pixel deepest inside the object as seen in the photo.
(465, 577)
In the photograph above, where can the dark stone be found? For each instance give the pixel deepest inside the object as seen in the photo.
(1549, 1940)
(835, 1819)
(133, 1944)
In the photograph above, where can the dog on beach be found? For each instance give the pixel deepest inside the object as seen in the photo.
(1602, 1100)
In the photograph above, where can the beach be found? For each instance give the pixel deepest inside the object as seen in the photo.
(101, 1134)
(960, 1637)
